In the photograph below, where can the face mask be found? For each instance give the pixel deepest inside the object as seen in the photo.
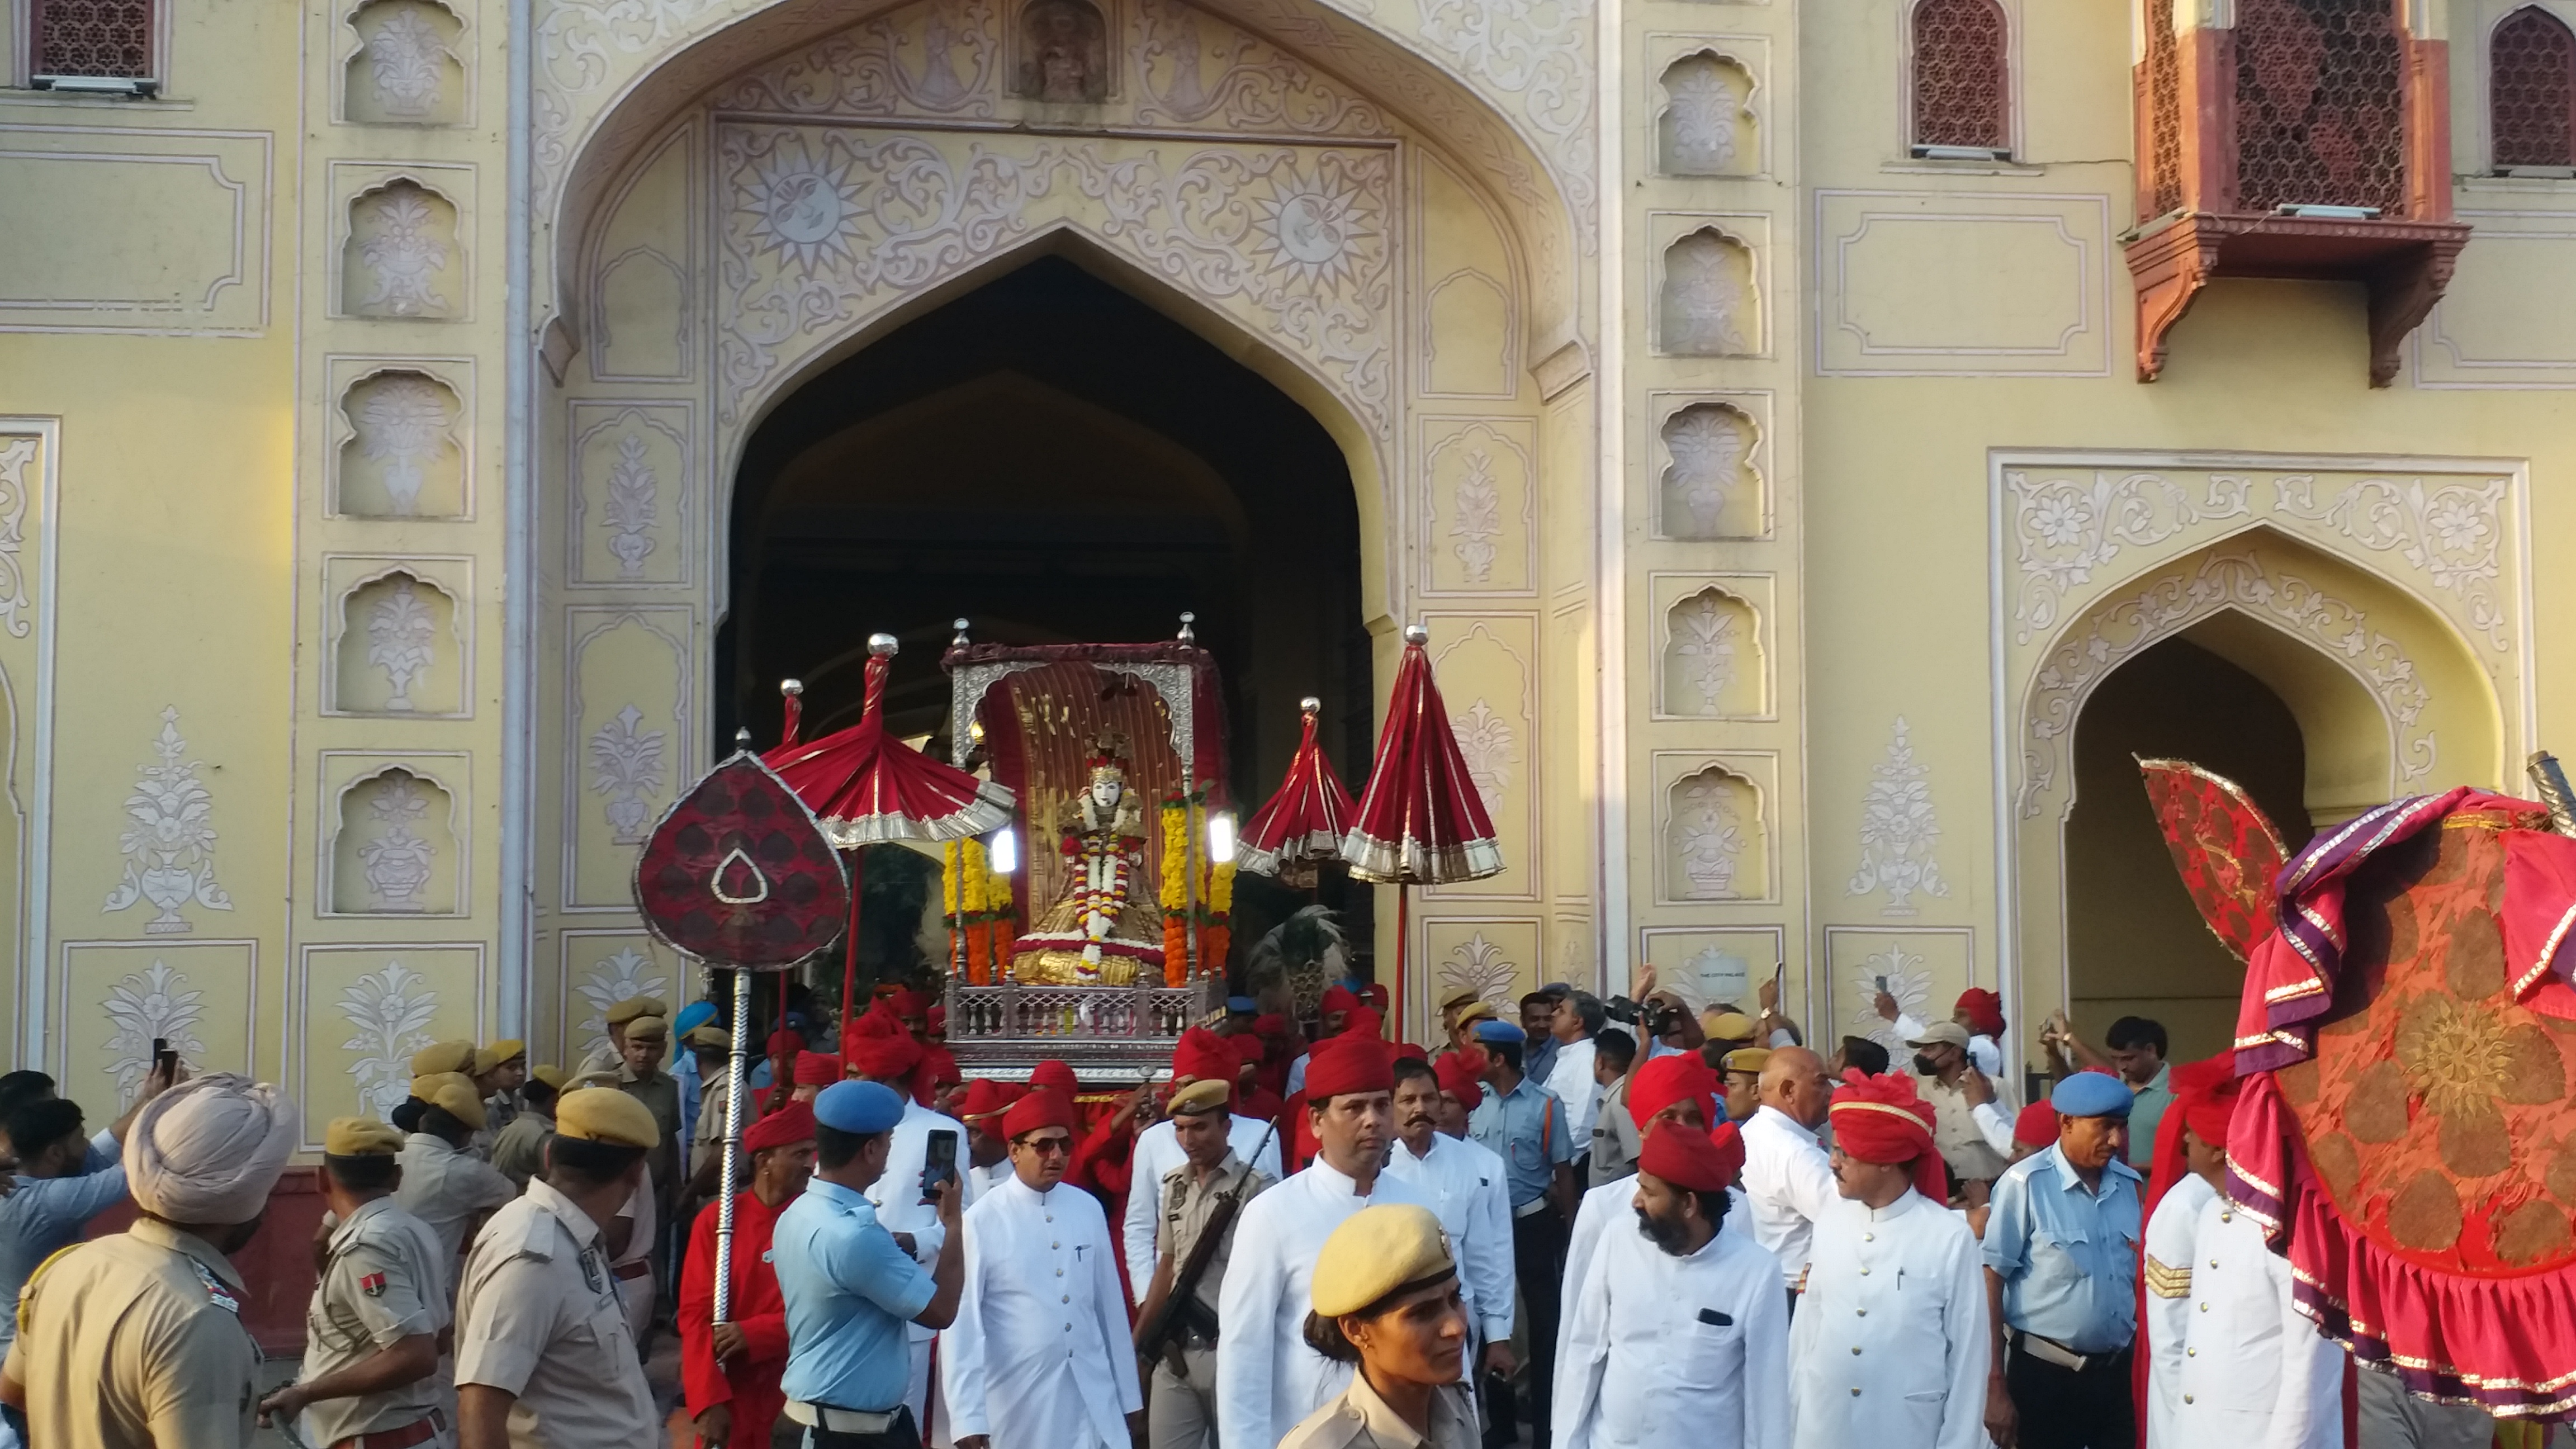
(1925, 1065)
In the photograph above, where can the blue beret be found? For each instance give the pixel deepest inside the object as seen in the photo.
(2092, 1094)
(1243, 1006)
(692, 1016)
(1492, 1030)
(861, 1107)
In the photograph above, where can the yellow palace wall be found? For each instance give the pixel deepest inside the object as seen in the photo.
(290, 444)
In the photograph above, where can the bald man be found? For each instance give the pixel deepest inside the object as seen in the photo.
(1788, 1180)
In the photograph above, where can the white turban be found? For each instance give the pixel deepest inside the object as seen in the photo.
(209, 1149)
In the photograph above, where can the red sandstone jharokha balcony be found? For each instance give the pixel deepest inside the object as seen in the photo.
(2292, 138)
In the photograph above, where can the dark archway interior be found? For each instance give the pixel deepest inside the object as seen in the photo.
(2135, 943)
(1054, 461)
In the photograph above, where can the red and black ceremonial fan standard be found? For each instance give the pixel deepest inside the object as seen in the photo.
(739, 874)
(2225, 848)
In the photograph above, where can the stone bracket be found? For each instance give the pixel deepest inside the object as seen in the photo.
(2405, 264)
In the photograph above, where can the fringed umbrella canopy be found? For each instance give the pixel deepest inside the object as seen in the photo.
(1421, 819)
(2226, 849)
(1303, 824)
(868, 787)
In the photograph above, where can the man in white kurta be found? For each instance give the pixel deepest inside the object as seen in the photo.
(1040, 1356)
(2255, 1374)
(1464, 1183)
(1678, 1337)
(1267, 1379)
(1786, 1175)
(1681, 1089)
(887, 1057)
(1890, 1345)
(2171, 1231)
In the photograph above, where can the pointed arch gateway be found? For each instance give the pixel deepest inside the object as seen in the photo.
(756, 214)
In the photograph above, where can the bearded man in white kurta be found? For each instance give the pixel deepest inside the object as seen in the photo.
(1677, 1089)
(1040, 1356)
(1890, 1345)
(1267, 1378)
(1679, 1336)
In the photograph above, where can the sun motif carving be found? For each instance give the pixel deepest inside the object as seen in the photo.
(1307, 227)
(802, 209)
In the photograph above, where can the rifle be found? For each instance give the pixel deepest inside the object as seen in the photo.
(1158, 1325)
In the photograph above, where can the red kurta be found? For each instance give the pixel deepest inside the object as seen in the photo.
(749, 1380)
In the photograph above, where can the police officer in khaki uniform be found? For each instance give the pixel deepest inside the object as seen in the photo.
(371, 1376)
(1385, 1300)
(544, 1359)
(443, 1184)
(518, 1153)
(135, 1340)
(609, 1057)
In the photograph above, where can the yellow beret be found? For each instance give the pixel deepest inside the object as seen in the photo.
(506, 1049)
(1459, 997)
(1376, 1251)
(604, 1114)
(551, 1076)
(1478, 1010)
(1207, 1094)
(647, 1028)
(1727, 1025)
(597, 1077)
(360, 1137)
(1747, 1059)
(635, 1006)
(453, 1093)
(704, 1036)
(446, 1056)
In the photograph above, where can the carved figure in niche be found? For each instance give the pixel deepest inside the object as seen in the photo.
(402, 426)
(1064, 52)
(1707, 444)
(1704, 296)
(1707, 838)
(401, 639)
(403, 237)
(1699, 128)
(1107, 922)
(398, 861)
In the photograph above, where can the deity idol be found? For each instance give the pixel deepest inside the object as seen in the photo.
(1107, 920)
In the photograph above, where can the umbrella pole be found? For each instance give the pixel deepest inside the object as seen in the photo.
(739, 1083)
(1402, 930)
(850, 963)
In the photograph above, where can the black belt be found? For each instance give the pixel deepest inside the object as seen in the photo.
(2050, 1351)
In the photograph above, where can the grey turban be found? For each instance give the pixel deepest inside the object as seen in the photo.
(209, 1149)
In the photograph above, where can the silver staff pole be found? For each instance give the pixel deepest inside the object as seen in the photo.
(735, 1086)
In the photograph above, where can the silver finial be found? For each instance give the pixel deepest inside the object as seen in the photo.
(958, 640)
(882, 646)
(742, 738)
(1416, 634)
(1188, 634)
(791, 688)
(1310, 705)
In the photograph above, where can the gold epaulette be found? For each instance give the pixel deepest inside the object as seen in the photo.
(2167, 1282)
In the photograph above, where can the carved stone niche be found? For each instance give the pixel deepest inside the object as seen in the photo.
(1063, 53)
(399, 650)
(1715, 848)
(394, 853)
(1710, 488)
(409, 69)
(1708, 306)
(2310, 140)
(1712, 665)
(402, 258)
(405, 456)
(1707, 127)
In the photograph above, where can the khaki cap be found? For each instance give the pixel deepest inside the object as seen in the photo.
(1376, 1251)
(635, 1006)
(551, 1076)
(603, 1114)
(1199, 1098)
(445, 1056)
(360, 1137)
(453, 1093)
(647, 1028)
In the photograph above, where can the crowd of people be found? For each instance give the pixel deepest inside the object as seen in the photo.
(1600, 1225)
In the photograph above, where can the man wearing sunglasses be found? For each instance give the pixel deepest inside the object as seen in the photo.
(1040, 1355)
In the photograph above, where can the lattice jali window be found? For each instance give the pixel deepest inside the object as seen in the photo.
(2320, 112)
(1960, 76)
(93, 38)
(2531, 90)
(2164, 111)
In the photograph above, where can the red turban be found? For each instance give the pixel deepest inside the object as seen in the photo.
(1348, 1064)
(984, 1097)
(1458, 1077)
(1885, 1121)
(785, 1043)
(877, 1047)
(1405, 1051)
(791, 1123)
(937, 1066)
(1053, 1073)
(1375, 995)
(1364, 1021)
(938, 1021)
(1037, 1109)
(1699, 1161)
(1202, 1054)
(2036, 1126)
(911, 1003)
(1339, 998)
(1984, 1011)
(817, 1069)
(2205, 1093)
(1669, 1079)
(1270, 1024)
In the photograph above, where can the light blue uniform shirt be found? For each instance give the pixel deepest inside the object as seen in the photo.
(45, 1215)
(849, 1293)
(2068, 1256)
(1525, 1127)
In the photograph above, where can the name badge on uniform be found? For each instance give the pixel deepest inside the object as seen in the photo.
(589, 1272)
(373, 1285)
(216, 1293)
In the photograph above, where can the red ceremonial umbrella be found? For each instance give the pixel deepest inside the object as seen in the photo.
(1421, 819)
(1303, 824)
(867, 787)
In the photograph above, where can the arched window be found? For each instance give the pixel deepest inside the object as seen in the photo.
(1960, 83)
(2531, 90)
